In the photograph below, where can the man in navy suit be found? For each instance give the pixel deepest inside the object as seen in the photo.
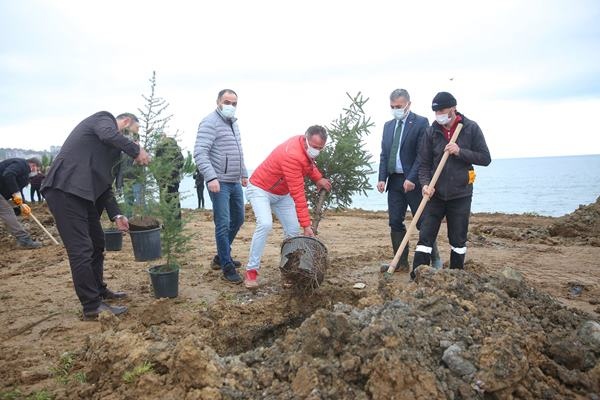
(399, 166)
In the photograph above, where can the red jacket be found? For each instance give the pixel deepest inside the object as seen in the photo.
(283, 172)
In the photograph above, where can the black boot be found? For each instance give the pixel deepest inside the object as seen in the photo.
(397, 238)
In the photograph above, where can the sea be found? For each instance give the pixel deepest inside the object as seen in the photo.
(549, 186)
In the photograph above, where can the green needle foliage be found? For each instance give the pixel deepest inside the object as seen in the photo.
(343, 160)
(131, 376)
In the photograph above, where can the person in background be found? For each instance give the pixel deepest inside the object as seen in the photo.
(199, 184)
(219, 157)
(399, 166)
(126, 179)
(35, 181)
(171, 162)
(14, 176)
(78, 188)
(277, 186)
(451, 198)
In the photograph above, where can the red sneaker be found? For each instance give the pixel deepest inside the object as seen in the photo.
(251, 281)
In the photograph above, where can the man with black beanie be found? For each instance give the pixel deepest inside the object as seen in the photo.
(451, 198)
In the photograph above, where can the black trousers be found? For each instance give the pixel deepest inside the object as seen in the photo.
(200, 194)
(170, 192)
(78, 223)
(399, 201)
(33, 191)
(457, 213)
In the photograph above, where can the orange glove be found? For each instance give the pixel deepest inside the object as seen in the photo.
(25, 210)
(16, 198)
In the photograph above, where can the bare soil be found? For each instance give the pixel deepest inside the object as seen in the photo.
(521, 322)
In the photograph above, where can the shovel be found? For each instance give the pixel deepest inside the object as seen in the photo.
(424, 201)
(44, 229)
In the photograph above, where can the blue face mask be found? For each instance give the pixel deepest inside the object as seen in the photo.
(228, 111)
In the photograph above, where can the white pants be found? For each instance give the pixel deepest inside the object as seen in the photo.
(263, 203)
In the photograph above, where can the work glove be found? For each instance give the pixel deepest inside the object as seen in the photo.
(16, 198)
(25, 210)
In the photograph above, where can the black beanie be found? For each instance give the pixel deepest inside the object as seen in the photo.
(443, 100)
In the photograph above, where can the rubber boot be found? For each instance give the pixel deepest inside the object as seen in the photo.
(397, 238)
(403, 263)
(436, 260)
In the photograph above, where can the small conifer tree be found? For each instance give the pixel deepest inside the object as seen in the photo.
(343, 160)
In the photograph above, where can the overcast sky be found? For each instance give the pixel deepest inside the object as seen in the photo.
(527, 71)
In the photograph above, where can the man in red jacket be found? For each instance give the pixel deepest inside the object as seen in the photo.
(277, 185)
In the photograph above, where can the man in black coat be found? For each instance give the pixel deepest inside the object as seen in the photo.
(14, 176)
(451, 198)
(78, 188)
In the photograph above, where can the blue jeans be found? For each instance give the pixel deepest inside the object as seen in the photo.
(263, 203)
(228, 215)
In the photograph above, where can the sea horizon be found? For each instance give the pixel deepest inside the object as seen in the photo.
(519, 185)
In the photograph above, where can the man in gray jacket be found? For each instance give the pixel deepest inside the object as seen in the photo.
(219, 157)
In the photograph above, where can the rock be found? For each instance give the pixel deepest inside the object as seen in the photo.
(359, 285)
(589, 333)
(510, 273)
(456, 363)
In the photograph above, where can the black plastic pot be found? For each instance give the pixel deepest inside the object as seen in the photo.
(146, 244)
(304, 258)
(113, 240)
(165, 280)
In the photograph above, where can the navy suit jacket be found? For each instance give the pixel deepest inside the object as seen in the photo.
(414, 129)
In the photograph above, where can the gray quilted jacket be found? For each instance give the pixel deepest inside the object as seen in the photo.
(218, 151)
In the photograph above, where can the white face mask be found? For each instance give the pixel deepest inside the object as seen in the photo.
(442, 119)
(312, 152)
(32, 174)
(399, 113)
(228, 111)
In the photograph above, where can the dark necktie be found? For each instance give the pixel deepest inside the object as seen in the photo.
(394, 150)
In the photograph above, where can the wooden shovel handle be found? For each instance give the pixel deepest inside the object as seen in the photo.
(44, 229)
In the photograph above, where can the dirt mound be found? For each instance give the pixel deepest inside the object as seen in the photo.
(583, 223)
(452, 335)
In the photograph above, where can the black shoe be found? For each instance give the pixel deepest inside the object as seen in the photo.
(230, 275)
(110, 295)
(215, 264)
(93, 314)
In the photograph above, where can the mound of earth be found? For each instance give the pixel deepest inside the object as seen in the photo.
(454, 334)
(582, 223)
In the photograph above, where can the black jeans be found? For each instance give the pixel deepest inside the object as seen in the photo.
(399, 201)
(457, 213)
(78, 223)
(170, 192)
(200, 194)
(32, 191)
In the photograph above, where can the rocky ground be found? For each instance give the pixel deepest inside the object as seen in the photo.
(521, 322)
